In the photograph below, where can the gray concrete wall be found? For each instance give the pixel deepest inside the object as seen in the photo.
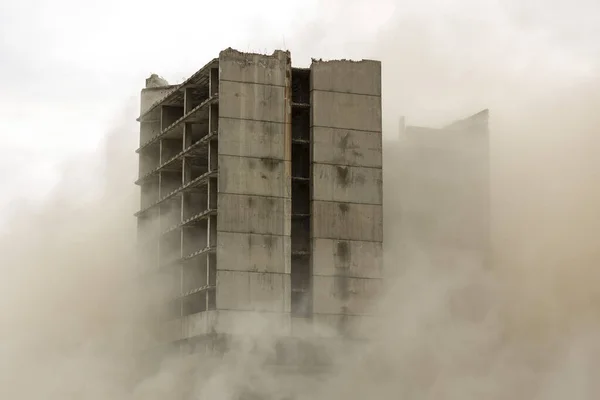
(253, 176)
(345, 221)
(148, 130)
(353, 258)
(151, 95)
(254, 252)
(346, 147)
(346, 184)
(347, 190)
(248, 138)
(254, 201)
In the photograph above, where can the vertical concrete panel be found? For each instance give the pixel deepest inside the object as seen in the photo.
(346, 111)
(253, 176)
(346, 147)
(347, 221)
(359, 77)
(255, 252)
(248, 138)
(356, 259)
(254, 202)
(347, 187)
(252, 291)
(342, 183)
(253, 214)
(343, 295)
(250, 101)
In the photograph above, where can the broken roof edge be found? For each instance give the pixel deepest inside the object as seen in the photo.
(480, 117)
(477, 118)
(176, 88)
(148, 89)
(364, 60)
(231, 51)
(156, 81)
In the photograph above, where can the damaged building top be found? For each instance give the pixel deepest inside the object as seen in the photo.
(261, 192)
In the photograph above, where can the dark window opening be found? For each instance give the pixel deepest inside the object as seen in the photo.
(300, 123)
(300, 161)
(300, 86)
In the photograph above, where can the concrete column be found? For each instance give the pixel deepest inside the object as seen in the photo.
(187, 100)
(213, 84)
(347, 193)
(254, 190)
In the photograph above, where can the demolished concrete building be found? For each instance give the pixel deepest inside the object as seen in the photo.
(261, 193)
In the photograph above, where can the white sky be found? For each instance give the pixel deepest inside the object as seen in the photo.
(68, 67)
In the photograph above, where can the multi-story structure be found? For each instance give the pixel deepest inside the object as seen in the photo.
(261, 192)
(440, 189)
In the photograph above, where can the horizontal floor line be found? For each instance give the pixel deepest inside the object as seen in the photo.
(250, 233)
(340, 92)
(252, 272)
(255, 157)
(346, 240)
(313, 200)
(346, 165)
(345, 129)
(255, 195)
(348, 276)
(252, 83)
(257, 120)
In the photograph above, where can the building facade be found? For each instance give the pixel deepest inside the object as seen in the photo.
(262, 194)
(440, 190)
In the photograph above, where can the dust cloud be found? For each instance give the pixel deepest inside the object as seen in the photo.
(75, 316)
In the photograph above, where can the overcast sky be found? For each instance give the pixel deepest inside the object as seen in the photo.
(68, 68)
